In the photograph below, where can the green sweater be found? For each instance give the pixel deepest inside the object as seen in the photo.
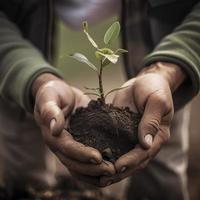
(182, 47)
(21, 62)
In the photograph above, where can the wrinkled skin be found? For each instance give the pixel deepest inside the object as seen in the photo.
(54, 102)
(149, 93)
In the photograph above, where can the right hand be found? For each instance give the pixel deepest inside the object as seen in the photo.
(54, 103)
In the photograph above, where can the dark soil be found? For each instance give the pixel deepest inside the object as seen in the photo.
(111, 130)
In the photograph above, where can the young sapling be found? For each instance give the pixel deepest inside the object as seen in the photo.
(111, 130)
(104, 56)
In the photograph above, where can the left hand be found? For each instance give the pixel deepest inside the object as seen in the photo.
(55, 101)
(150, 93)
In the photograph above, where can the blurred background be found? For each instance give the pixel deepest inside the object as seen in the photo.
(80, 75)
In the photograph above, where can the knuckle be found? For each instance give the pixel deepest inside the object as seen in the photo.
(91, 151)
(133, 161)
(152, 126)
(163, 101)
(49, 108)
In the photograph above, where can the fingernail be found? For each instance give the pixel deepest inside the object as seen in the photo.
(149, 139)
(52, 124)
(93, 161)
(108, 183)
(123, 169)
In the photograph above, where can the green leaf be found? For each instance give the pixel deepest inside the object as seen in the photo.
(120, 51)
(94, 44)
(85, 30)
(113, 58)
(116, 89)
(112, 33)
(81, 58)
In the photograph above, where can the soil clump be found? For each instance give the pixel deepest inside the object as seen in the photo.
(111, 130)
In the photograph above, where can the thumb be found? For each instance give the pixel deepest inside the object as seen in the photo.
(50, 111)
(53, 117)
(156, 107)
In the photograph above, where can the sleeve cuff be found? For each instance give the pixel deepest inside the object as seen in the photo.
(190, 87)
(17, 86)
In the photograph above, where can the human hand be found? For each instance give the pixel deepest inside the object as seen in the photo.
(54, 102)
(150, 93)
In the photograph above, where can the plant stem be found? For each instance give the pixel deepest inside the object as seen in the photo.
(101, 91)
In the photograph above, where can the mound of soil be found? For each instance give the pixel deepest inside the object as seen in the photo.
(111, 130)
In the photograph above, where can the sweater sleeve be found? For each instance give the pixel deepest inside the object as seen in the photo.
(182, 47)
(20, 64)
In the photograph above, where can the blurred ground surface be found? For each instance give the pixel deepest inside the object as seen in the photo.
(80, 75)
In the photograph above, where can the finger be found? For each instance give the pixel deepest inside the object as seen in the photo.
(105, 168)
(66, 145)
(131, 160)
(160, 139)
(49, 106)
(139, 158)
(81, 99)
(106, 181)
(78, 151)
(124, 97)
(136, 162)
(87, 179)
(143, 164)
(158, 106)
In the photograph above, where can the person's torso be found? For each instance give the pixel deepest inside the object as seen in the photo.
(144, 22)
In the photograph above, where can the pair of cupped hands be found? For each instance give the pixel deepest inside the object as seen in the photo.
(149, 93)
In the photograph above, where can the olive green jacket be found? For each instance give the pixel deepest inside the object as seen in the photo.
(26, 35)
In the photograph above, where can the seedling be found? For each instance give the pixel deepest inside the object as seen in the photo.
(110, 129)
(104, 56)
